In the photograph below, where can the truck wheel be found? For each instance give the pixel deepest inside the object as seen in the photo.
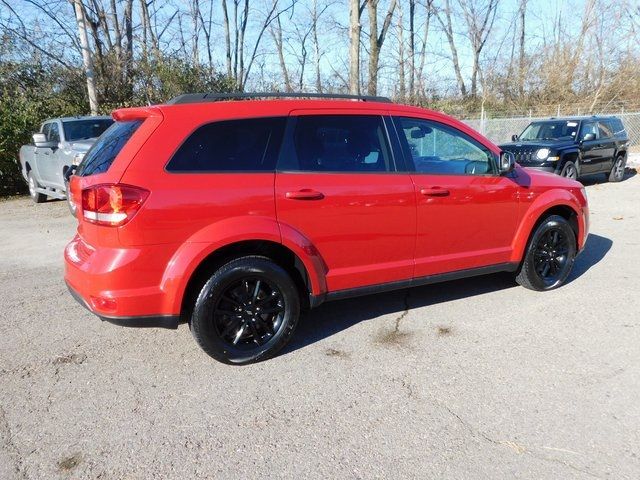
(33, 184)
(246, 312)
(570, 170)
(549, 255)
(617, 172)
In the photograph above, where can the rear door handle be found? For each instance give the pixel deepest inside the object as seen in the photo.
(434, 192)
(305, 194)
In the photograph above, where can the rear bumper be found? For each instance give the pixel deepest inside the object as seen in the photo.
(139, 300)
(148, 321)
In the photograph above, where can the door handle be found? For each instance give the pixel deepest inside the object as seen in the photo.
(434, 192)
(305, 194)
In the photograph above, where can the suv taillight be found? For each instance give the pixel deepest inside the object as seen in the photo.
(111, 205)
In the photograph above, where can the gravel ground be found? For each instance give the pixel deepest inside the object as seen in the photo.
(468, 379)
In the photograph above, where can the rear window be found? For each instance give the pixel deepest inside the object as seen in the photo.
(75, 130)
(102, 154)
(249, 145)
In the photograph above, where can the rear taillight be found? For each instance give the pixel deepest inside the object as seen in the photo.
(112, 205)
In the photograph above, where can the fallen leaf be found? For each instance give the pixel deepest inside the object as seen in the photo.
(618, 218)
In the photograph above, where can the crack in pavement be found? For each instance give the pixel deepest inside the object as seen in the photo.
(520, 449)
(396, 330)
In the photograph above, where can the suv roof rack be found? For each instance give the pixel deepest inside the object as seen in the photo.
(215, 97)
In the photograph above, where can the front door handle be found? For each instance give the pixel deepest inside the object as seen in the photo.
(305, 194)
(434, 192)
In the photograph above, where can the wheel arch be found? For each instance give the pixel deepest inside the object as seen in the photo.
(566, 209)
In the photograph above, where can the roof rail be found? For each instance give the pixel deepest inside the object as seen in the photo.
(215, 97)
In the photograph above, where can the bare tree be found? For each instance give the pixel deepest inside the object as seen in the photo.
(86, 56)
(479, 16)
(376, 40)
(444, 18)
(355, 11)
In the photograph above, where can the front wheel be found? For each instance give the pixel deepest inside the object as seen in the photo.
(246, 312)
(33, 186)
(570, 170)
(617, 172)
(549, 255)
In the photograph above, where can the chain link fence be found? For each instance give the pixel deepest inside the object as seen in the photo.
(500, 130)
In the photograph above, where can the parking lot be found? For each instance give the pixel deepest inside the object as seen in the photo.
(477, 378)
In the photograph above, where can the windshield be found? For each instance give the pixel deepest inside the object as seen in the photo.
(75, 130)
(556, 130)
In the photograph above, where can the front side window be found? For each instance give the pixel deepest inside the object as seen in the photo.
(338, 143)
(54, 133)
(249, 145)
(589, 128)
(439, 149)
(102, 154)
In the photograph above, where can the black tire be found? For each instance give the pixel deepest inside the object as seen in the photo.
(570, 170)
(617, 171)
(33, 184)
(260, 315)
(549, 255)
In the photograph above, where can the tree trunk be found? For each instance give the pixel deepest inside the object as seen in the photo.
(316, 47)
(354, 48)
(521, 66)
(86, 56)
(227, 38)
(376, 41)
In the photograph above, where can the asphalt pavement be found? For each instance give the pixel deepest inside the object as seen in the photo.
(471, 379)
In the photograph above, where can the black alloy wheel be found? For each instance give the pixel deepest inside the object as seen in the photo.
(549, 255)
(246, 311)
(249, 312)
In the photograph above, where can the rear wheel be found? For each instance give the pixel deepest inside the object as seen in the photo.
(549, 256)
(33, 185)
(617, 172)
(246, 312)
(570, 170)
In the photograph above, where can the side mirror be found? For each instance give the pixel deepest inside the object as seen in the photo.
(40, 140)
(507, 162)
(588, 137)
(514, 138)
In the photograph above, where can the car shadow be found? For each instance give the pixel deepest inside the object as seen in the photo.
(594, 251)
(598, 178)
(333, 317)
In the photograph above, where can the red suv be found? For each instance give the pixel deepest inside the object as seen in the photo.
(234, 216)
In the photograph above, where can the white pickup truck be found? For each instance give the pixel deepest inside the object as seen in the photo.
(60, 144)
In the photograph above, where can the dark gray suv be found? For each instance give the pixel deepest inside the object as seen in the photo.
(573, 146)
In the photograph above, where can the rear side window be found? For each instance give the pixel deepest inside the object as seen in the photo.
(249, 145)
(338, 143)
(604, 130)
(102, 154)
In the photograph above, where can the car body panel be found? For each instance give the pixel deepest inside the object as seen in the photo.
(367, 229)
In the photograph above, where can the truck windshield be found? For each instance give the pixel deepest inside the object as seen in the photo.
(75, 130)
(102, 154)
(556, 130)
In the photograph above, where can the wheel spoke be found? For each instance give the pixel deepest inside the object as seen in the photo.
(233, 324)
(231, 313)
(256, 291)
(276, 309)
(239, 334)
